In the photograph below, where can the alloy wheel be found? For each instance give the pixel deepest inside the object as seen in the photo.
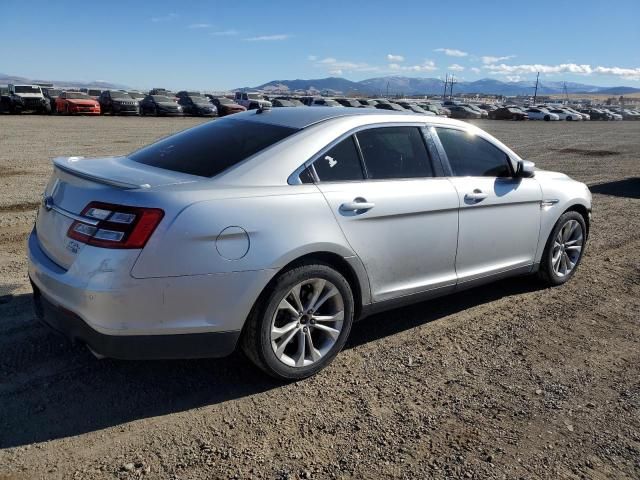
(307, 322)
(567, 248)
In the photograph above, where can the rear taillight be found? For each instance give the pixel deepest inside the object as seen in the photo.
(115, 226)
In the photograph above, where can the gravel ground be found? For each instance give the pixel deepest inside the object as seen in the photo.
(509, 380)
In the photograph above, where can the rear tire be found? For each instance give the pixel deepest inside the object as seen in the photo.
(564, 249)
(285, 337)
(547, 118)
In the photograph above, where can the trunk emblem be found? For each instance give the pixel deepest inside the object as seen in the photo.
(47, 202)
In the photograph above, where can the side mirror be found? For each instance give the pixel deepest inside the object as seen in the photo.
(525, 169)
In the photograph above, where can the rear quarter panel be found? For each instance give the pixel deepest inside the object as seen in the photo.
(295, 220)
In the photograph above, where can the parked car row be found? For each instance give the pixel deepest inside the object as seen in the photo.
(540, 112)
(161, 102)
(33, 98)
(413, 106)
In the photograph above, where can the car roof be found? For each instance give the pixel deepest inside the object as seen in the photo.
(304, 117)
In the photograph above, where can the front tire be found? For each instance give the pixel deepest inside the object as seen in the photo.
(547, 118)
(300, 322)
(564, 249)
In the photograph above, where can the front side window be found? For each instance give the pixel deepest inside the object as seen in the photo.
(471, 155)
(340, 164)
(213, 147)
(395, 152)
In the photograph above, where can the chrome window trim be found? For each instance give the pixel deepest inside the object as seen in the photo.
(294, 178)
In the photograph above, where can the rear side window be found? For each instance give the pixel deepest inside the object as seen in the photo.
(341, 163)
(211, 148)
(470, 155)
(395, 152)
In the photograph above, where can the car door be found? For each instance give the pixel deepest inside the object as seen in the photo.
(399, 217)
(499, 221)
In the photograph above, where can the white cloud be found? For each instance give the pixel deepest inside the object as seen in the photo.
(577, 69)
(475, 70)
(225, 33)
(395, 58)
(451, 52)
(626, 73)
(269, 38)
(336, 72)
(456, 68)
(488, 59)
(199, 25)
(514, 78)
(312, 58)
(426, 66)
(165, 18)
(333, 64)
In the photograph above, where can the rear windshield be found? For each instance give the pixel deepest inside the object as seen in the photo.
(211, 148)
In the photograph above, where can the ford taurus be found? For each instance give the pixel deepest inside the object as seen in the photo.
(273, 230)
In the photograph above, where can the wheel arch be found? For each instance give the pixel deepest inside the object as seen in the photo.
(584, 213)
(350, 267)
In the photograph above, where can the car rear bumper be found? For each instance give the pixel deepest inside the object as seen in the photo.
(97, 301)
(132, 347)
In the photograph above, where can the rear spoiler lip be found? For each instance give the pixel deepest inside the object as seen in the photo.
(63, 164)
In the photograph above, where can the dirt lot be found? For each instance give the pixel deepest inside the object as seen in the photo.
(509, 380)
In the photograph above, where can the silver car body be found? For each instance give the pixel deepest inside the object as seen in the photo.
(223, 239)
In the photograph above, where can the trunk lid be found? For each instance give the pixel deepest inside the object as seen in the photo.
(77, 181)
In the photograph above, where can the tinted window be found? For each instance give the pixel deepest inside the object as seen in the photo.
(470, 155)
(341, 163)
(395, 152)
(211, 148)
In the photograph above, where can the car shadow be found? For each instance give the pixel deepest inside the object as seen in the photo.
(51, 389)
(629, 187)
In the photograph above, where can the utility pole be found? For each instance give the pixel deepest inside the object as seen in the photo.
(387, 89)
(535, 93)
(451, 82)
(444, 93)
(566, 93)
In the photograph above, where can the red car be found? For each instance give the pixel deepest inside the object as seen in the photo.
(77, 103)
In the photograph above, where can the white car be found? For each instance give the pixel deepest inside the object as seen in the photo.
(565, 114)
(536, 113)
(251, 100)
(585, 116)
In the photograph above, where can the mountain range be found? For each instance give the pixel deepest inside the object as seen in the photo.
(397, 85)
(393, 85)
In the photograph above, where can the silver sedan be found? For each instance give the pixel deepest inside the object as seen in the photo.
(273, 230)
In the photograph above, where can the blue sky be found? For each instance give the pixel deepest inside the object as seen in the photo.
(222, 45)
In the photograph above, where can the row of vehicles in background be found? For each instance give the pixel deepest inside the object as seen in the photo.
(539, 112)
(34, 98)
(162, 102)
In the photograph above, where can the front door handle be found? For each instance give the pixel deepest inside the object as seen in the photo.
(359, 205)
(476, 196)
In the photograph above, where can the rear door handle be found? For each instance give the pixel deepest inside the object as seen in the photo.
(359, 205)
(477, 196)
